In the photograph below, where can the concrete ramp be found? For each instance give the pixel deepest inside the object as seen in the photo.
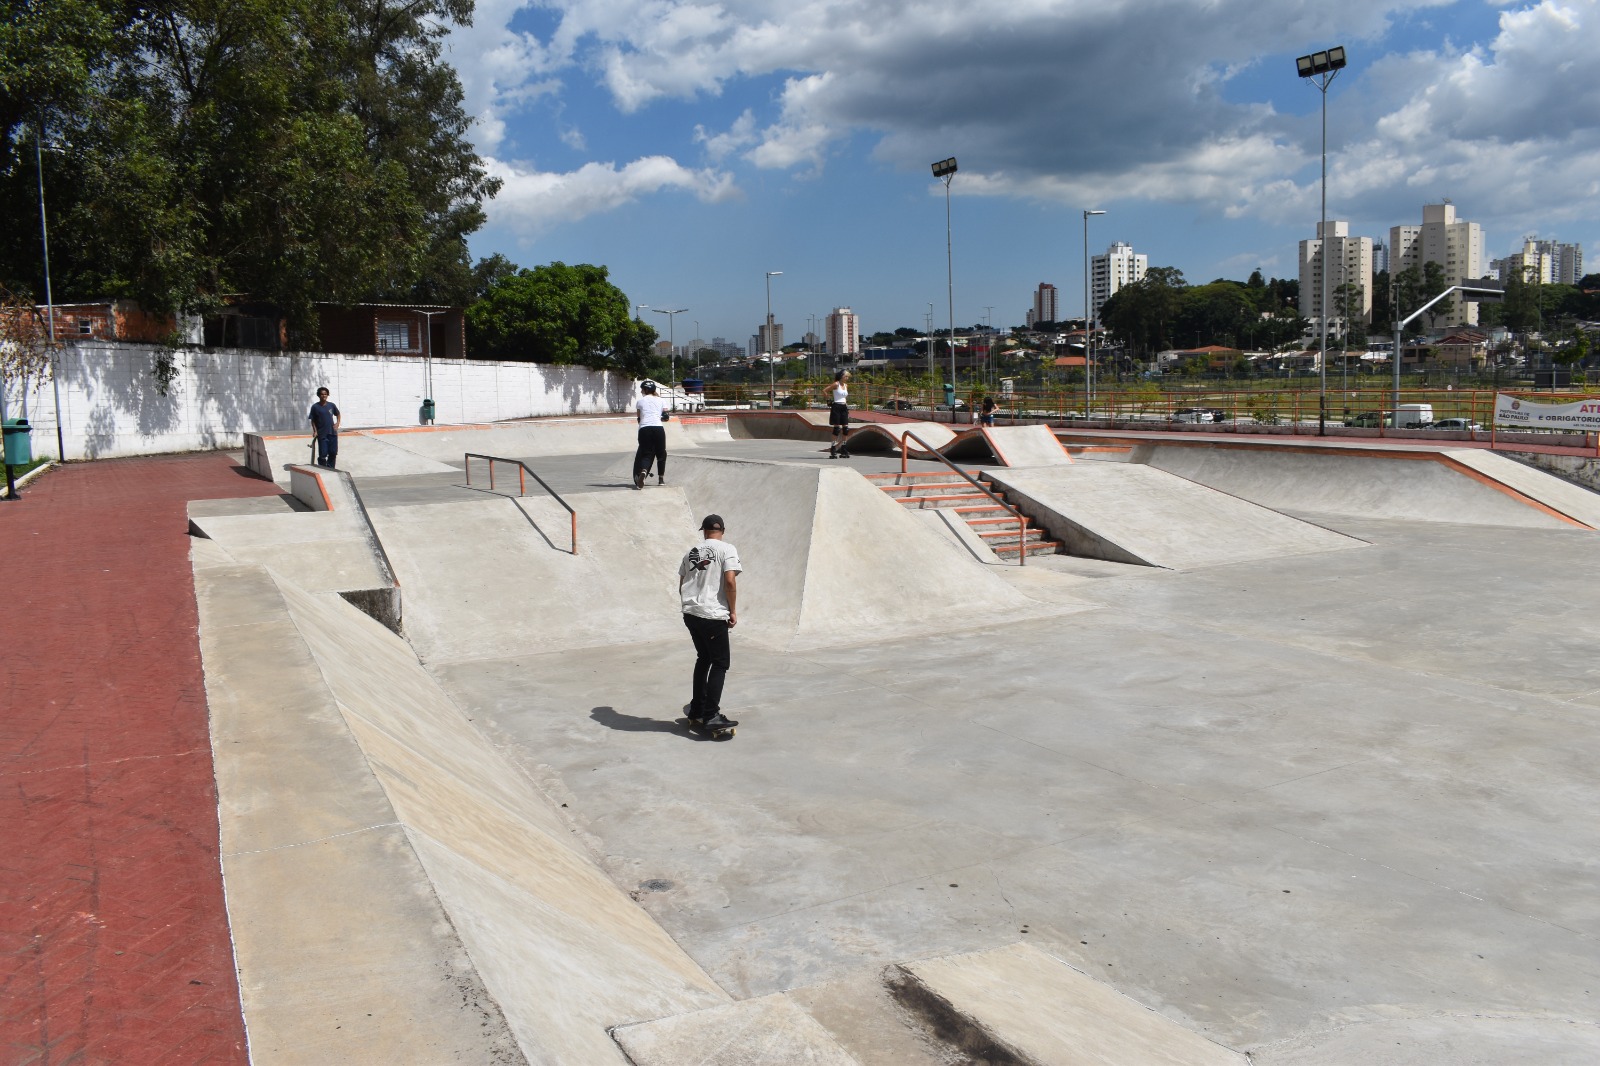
(1020, 1005)
(1460, 486)
(1020, 446)
(1138, 514)
(830, 558)
(491, 578)
(359, 454)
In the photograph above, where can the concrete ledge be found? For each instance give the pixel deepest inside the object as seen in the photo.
(1018, 1005)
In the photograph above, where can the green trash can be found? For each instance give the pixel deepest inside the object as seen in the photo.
(18, 445)
(427, 412)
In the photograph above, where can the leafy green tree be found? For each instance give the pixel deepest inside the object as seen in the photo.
(560, 314)
(295, 150)
(1141, 315)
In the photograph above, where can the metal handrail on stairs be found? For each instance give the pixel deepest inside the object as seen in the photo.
(524, 471)
(1022, 521)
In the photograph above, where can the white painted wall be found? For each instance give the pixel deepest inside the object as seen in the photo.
(110, 405)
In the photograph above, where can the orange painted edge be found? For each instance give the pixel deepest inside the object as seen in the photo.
(322, 488)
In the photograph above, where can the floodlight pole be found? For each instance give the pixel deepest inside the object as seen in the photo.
(1322, 68)
(1088, 330)
(772, 388)
(945, 170)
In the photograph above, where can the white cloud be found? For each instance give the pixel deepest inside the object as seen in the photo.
(532, 201)
(1094, 101)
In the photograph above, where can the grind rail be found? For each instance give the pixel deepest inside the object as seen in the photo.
(1022, 521)
(524, 472)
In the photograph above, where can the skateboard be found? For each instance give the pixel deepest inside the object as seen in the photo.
(724, 733)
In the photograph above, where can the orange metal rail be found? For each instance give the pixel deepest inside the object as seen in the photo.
(1022, 521)
(524, 471)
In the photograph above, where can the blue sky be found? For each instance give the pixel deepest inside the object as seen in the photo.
(691, 145)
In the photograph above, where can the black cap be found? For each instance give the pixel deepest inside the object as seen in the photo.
(647, 386)
(712, 521)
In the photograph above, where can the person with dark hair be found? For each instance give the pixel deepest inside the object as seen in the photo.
(708, 588)
(988, 410)
(839, 414)
(325, 422)
(652, 417)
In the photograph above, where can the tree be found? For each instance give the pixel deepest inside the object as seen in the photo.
(560, 314)
(1141, 315)
(299, 151)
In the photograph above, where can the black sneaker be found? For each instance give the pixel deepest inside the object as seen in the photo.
(716, 721)
(638, 479)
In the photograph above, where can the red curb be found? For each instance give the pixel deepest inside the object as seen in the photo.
(114, 944)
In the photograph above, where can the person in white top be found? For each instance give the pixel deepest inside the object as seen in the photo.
(839, 414)
(708, 587)
(652, 436)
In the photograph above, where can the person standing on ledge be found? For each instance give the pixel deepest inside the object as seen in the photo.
(708, 587)
(652, 436)
(839, 414)
(325, 421)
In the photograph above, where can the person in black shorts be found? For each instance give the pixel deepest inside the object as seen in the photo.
(839, 414)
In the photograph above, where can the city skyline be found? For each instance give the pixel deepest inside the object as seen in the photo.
(693, 152)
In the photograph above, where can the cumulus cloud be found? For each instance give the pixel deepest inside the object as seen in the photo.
(532, 201)
(1084, 101)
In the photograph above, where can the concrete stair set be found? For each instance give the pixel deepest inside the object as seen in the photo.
(990, 521)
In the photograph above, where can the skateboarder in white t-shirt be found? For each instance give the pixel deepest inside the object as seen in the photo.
(709, 590)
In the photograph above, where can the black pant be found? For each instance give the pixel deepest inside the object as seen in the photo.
(652, 445)
(711, 656)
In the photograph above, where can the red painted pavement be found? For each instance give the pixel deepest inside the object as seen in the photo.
(114, 943)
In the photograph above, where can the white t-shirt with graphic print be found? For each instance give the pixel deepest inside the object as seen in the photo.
(700, 578)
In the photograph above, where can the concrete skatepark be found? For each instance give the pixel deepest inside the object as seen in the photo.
(1285, 757)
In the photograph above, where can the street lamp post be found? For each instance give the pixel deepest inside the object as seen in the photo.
(945, 171)
(672, 346)
(1323, 67)
(1088, 327)
(772, 388)
(427, 362)
(49, 298)
(1470, 294)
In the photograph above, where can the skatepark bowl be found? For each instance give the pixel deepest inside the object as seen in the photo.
(1275, 752)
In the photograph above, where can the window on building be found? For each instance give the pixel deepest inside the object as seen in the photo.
(85, 327)
(394, 335)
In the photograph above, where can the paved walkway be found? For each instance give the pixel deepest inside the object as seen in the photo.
(114, 945)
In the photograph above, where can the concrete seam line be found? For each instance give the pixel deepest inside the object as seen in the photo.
(318, 840)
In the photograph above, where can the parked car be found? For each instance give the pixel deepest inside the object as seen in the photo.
(898, 405)
(1194, 414)
(960, 405)
(1460, 425)
(1367, 420)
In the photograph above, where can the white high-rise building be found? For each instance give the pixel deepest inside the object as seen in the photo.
(1107, 273)
(1544, 262)
(844, 334)
(1457, 246)
(1349, 262)
(1046, 307)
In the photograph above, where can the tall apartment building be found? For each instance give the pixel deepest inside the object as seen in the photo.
(767, 338)
(1380, 258)
(1348, 262)
(1456, 245)
(1545, 262)
(1110, 272)
(844, 334)
(1046, 307)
